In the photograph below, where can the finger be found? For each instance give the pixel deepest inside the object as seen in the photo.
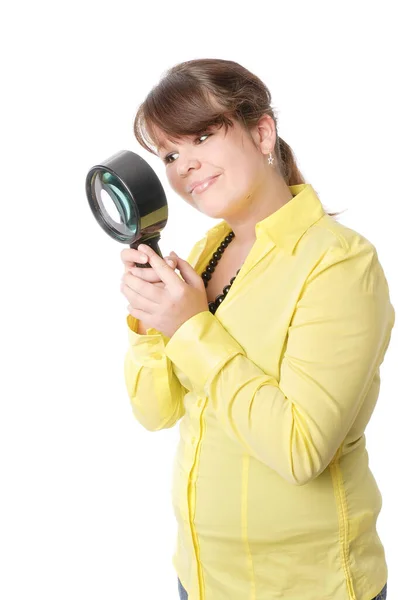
(160, 266)
(158, 284)
(149, 292)
(130, 256)
(139, 301)
(188, 273)
(149, 274)
(129, 266)
(145, 274)
(171, 261)
(139, 314)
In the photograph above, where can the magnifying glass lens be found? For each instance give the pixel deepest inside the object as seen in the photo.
(111, 185)
(108, 189)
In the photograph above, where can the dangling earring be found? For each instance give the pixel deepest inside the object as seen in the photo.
(270, 159)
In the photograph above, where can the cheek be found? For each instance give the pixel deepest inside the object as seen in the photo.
(174, 180)
(244, 168)
(171, 177)
(178, 186)
(241, 171)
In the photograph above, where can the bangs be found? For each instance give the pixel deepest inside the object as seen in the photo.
(177, 108)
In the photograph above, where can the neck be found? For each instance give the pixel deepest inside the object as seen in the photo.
(258, 205)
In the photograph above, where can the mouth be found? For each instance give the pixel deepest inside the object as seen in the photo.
(202, 186)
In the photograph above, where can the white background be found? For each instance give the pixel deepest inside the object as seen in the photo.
(85, 490)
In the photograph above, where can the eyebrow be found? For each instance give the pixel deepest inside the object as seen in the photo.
(162, 147)
(210, 126)
(159, 149)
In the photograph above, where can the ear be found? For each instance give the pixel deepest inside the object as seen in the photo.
(264, 134)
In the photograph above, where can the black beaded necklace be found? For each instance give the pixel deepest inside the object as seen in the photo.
(206, 275)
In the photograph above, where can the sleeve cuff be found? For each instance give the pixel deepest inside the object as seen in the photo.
(200, 347)
(145, 350)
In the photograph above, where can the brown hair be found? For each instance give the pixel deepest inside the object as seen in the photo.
(197, 94)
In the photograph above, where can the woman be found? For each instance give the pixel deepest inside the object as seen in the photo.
(267, 345)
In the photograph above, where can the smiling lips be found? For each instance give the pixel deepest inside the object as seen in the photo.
(200, 186)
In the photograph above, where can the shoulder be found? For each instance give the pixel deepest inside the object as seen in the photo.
(329, 238)
(329, 243)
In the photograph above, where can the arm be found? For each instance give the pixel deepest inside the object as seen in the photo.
(336, 342)
(156, 394)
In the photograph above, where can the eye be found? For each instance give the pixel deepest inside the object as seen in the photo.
(203, 135)
(166, 158)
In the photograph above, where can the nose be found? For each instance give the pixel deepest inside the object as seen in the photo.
(185, 166)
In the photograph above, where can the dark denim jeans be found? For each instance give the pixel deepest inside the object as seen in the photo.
(382, 595)
(182, 591)
(184, 596)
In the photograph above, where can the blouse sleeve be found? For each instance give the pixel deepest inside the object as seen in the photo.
(336, 341)
(156, 394)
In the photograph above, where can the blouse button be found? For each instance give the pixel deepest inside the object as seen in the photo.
(193, 440)
(200, 402)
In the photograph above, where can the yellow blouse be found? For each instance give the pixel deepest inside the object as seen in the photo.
(272, 490)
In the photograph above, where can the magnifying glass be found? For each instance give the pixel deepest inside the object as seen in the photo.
(126, 187)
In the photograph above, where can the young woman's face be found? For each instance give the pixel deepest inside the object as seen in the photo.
(228, 155)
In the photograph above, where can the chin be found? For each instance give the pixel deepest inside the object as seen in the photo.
(213, 211)
(213, 207)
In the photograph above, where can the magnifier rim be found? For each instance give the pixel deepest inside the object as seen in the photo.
(92, 198)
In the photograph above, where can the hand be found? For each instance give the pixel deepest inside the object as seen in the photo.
(165, 308)
(130, 257)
